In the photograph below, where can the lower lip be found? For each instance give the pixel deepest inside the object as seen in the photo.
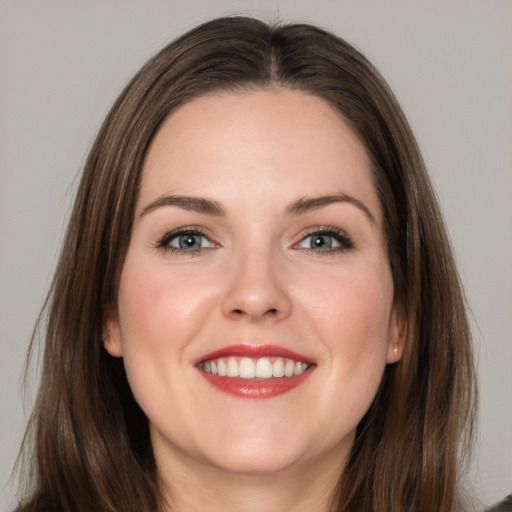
(256, 388)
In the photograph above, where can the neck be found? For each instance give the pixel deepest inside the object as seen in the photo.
(192, 486)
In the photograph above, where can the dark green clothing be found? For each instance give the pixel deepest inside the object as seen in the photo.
(503, 506)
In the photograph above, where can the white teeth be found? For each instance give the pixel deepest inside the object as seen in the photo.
(278, 368)
(264, 368)
(248, 368)
(289, 368)
(222, 368)
(232, 367)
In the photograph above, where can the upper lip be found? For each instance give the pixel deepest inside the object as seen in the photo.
(255, 352)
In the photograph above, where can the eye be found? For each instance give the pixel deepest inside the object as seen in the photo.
(319, 242)
(189, 241)
(185, 241)
(326, 240)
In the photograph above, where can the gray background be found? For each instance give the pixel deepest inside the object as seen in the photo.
(62, 63)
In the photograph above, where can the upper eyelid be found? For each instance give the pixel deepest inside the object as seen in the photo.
(343, 237)
(330, 230)
(306, 232)
(169, 235)
(187, 229)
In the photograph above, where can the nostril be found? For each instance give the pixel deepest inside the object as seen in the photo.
(240, 312)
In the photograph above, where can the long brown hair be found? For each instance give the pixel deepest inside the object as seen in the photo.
(89, 439)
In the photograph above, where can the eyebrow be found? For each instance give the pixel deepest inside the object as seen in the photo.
(212, 207)
(306, 204)
(193, 204)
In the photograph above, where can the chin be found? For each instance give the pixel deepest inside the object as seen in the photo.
(251, 461)
(272, 450)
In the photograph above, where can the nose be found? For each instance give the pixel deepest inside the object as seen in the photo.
(256, 290)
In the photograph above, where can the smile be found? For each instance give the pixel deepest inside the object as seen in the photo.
(248, 368)
(249, 371)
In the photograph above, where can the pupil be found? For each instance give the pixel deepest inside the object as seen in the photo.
(187, 241)
(321, 241)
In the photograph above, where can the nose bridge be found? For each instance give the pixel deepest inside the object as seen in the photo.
(256, 286)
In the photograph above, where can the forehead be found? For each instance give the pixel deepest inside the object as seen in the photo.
(270, 143)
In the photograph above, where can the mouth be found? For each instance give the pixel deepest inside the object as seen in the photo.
(249, 371)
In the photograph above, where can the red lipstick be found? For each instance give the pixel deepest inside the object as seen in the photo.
(254, 351)
(255, 388)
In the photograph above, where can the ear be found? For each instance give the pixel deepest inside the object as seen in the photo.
(111, 335)
(397, 335)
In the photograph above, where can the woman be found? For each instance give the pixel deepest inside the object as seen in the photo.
(256, 304)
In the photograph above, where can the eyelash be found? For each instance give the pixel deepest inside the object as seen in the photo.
(343, 239)
(163, 243)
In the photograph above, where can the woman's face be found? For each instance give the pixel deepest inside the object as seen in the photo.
(257, 250)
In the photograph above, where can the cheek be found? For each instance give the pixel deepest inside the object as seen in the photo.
(144, 335)
(353, 321)
(159, 313)
(158, 308)
(354, 305)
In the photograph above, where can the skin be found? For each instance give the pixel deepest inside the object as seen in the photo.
(256, 280)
